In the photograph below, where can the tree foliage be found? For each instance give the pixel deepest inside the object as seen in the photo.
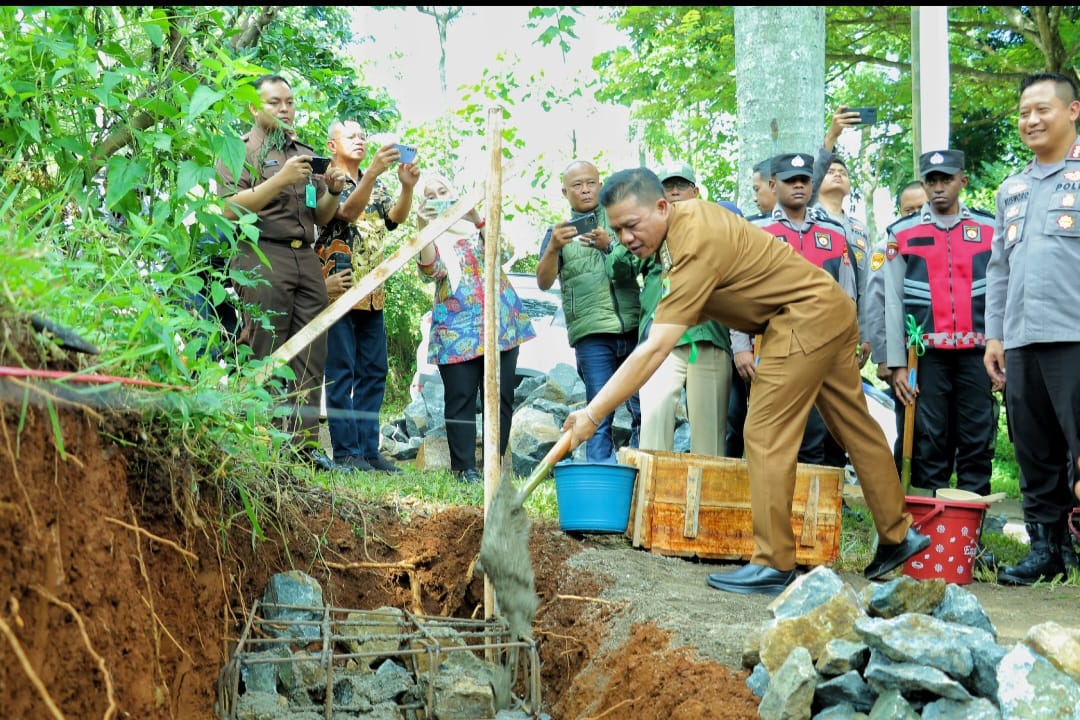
(113, 119)
(677, 76)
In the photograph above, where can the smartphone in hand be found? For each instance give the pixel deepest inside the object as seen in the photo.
(408, 153)
(867, 115)
(441, 205)
(584, 223)
(319, 164)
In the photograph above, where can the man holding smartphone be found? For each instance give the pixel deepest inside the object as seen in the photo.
(278, 185)
(351, 244)
(598, 280)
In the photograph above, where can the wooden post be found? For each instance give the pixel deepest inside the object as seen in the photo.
(492, 274)
(394, 262)
(909, 417)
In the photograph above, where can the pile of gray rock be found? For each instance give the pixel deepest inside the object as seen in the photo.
(903, 650)
(541, 405)
(302, 660)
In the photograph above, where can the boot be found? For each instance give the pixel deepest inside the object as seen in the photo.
(1068, 555)
(1043, 561)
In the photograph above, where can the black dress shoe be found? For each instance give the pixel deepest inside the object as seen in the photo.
(318, 460)
(381, 464)
(752, 579)
(890, 557)
(468, 476)
(356, 462)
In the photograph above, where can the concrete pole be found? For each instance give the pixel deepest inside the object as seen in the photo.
(930, 81)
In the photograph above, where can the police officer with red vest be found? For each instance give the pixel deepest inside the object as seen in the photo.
(819, 239)
(935, 288)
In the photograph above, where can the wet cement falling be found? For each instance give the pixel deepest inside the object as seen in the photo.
(504, 559)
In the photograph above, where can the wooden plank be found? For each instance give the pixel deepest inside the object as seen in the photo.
(393, 262)
(808, 538)
(644, 487)
(693, 501)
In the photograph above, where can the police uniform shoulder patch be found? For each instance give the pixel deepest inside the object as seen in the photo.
(892, 250)
(823, 241)
(877, 260)
(971, 232)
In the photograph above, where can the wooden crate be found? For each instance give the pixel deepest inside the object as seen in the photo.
(699, 506)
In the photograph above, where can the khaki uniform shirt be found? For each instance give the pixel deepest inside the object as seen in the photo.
(721, 267)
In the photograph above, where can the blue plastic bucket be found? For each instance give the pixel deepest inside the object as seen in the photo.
(594, 497)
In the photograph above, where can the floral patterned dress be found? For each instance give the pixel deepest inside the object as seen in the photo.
(457, 318)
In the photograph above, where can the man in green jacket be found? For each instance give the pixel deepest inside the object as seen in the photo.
(598, 281)
(700, 362)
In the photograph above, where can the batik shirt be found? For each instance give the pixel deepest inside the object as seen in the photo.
(361, 244)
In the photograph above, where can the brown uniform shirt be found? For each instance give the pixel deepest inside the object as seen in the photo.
(287, 217)
(720, 267)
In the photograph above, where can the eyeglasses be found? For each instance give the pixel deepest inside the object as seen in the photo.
(677, 184)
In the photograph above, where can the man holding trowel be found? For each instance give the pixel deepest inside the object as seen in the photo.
(718, 266)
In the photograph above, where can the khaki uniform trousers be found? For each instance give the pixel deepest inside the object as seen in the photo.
(293, 293)
(781, 396)
(707, 381)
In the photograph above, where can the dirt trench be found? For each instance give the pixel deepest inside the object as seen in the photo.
(112, 606)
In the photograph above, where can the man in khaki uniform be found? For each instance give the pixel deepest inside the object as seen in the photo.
(721, 267)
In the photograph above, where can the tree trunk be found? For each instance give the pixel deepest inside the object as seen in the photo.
(780, 85)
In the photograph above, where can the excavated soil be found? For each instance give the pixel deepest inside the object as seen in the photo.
(114, 606)
(125, 581)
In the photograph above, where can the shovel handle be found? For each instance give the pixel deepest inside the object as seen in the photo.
(554, 455)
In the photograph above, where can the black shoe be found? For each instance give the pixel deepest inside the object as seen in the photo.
(356, 463)
(1043, 561)
(468, 476)
(381, 464)
(318, 460)
(890, 557)
(752, 579)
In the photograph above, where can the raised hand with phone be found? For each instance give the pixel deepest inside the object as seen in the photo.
(454, 263)
(354, 243)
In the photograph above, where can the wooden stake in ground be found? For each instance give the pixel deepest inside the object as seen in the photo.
(492, 273)
(394, 262)
(915, 348)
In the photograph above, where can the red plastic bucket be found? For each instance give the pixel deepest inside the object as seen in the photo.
(953, 527)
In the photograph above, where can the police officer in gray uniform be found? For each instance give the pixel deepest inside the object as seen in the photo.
(1033, 316)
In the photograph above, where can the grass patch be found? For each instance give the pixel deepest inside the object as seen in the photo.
(439, 487)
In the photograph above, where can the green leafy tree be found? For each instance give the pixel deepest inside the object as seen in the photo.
(686, 53)
(113, 121)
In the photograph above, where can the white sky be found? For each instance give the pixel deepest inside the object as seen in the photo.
(404, 58)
